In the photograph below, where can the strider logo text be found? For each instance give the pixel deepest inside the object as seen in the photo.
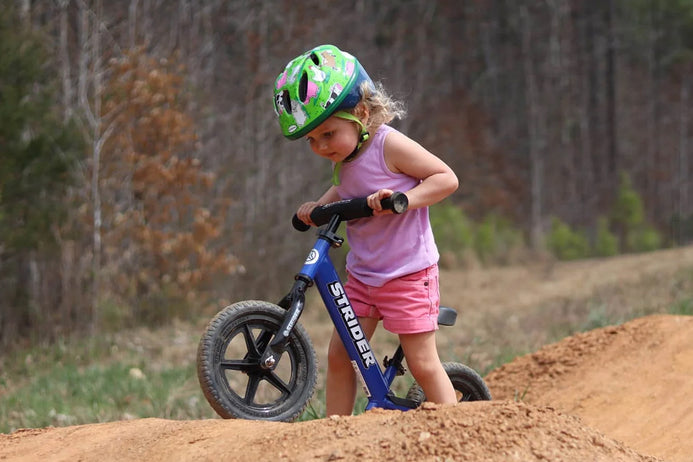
(352, 323)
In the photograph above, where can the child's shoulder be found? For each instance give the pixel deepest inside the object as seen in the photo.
(395, 139)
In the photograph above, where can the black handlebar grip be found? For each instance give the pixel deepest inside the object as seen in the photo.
(299, 225)
(350, 209)
(398, 202)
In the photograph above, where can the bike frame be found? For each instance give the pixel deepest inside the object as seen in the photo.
(318, 269)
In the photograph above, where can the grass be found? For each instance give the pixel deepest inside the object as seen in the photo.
(84, 382)
(505, 355)
(74, 395)
(682, 307)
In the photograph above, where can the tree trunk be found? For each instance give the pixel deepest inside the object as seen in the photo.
(65, 60)
(652, 153)
(611, 113)
(534, 134)
(683, 167)
(90, 103)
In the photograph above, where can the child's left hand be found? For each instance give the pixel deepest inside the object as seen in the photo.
(374, 201)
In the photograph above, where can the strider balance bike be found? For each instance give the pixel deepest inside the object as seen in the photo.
(256, 361)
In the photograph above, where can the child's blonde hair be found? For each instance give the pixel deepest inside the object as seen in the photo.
(382, 108)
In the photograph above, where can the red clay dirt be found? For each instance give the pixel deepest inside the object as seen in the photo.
(492, 431)
(613, 394)
(598, 396)
(634, 382)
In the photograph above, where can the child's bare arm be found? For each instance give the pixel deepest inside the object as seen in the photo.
(404, 155)
(304, 210)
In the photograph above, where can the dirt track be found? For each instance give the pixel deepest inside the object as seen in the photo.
(614, 394)
(630, 382)
(496, 431)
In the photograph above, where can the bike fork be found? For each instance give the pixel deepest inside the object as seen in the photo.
(296, 300)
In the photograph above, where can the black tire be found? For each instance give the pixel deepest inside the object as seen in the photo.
(228, 365)
(467, 383)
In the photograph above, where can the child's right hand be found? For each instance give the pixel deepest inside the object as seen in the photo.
(304, 211)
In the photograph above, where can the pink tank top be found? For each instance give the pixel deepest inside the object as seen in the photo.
(385, 247)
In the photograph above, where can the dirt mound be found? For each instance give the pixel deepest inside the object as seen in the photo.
(632, 382)
(600, 395)
(491, 431)
(619, 393)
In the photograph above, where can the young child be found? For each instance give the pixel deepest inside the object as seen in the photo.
(326, 96)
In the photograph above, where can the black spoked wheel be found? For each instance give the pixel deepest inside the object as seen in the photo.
(468, 385)
(229, 371)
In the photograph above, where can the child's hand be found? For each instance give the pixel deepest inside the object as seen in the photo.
(374, 201)
(304, 211)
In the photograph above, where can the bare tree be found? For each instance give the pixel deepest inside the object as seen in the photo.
(95, 125)
(683, 178)
(64, 54)
(536, 131)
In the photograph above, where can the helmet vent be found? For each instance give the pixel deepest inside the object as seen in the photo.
(315, 59)
(303, 87)
(286, 101)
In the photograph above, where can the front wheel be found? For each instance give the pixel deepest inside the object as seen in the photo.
(229, 371)
(468, 385)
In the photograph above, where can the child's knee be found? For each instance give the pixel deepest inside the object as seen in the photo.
(337, 356)
(423, 369)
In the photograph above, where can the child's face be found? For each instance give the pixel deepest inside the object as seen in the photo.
(334, 139)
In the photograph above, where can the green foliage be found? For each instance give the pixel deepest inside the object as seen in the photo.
(628, 220)
(606, 243)
(490, 240)
(454, 232)
(495, 237)
(565, 243)
(643, 239)
(627, 212)
(38, 148)
(37, 153)
(485, 239)
(628, 209)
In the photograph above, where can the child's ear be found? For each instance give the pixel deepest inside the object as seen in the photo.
(361, 111)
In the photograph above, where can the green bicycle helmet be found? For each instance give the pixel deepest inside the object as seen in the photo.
(321, 82)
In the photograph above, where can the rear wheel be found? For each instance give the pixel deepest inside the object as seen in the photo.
(229, 371)
(468, 385)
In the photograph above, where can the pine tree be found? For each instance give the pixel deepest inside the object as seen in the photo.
(37, 151)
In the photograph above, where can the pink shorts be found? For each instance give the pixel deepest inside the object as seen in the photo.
(407, 305)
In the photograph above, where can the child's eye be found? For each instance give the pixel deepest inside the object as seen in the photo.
(328, 134)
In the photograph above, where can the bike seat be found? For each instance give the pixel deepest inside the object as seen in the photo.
(447, 316)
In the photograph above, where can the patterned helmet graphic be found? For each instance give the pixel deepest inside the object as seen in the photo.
(315, 85)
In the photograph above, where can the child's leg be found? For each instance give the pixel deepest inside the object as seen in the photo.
(340, 392)
(422, 359)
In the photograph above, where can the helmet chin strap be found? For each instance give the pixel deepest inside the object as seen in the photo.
(363, 137)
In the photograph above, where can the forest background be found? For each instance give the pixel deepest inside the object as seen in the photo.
(143, 176)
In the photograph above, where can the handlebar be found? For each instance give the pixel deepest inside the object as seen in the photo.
(351, 209)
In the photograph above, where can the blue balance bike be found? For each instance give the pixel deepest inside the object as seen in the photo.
(256, 361)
